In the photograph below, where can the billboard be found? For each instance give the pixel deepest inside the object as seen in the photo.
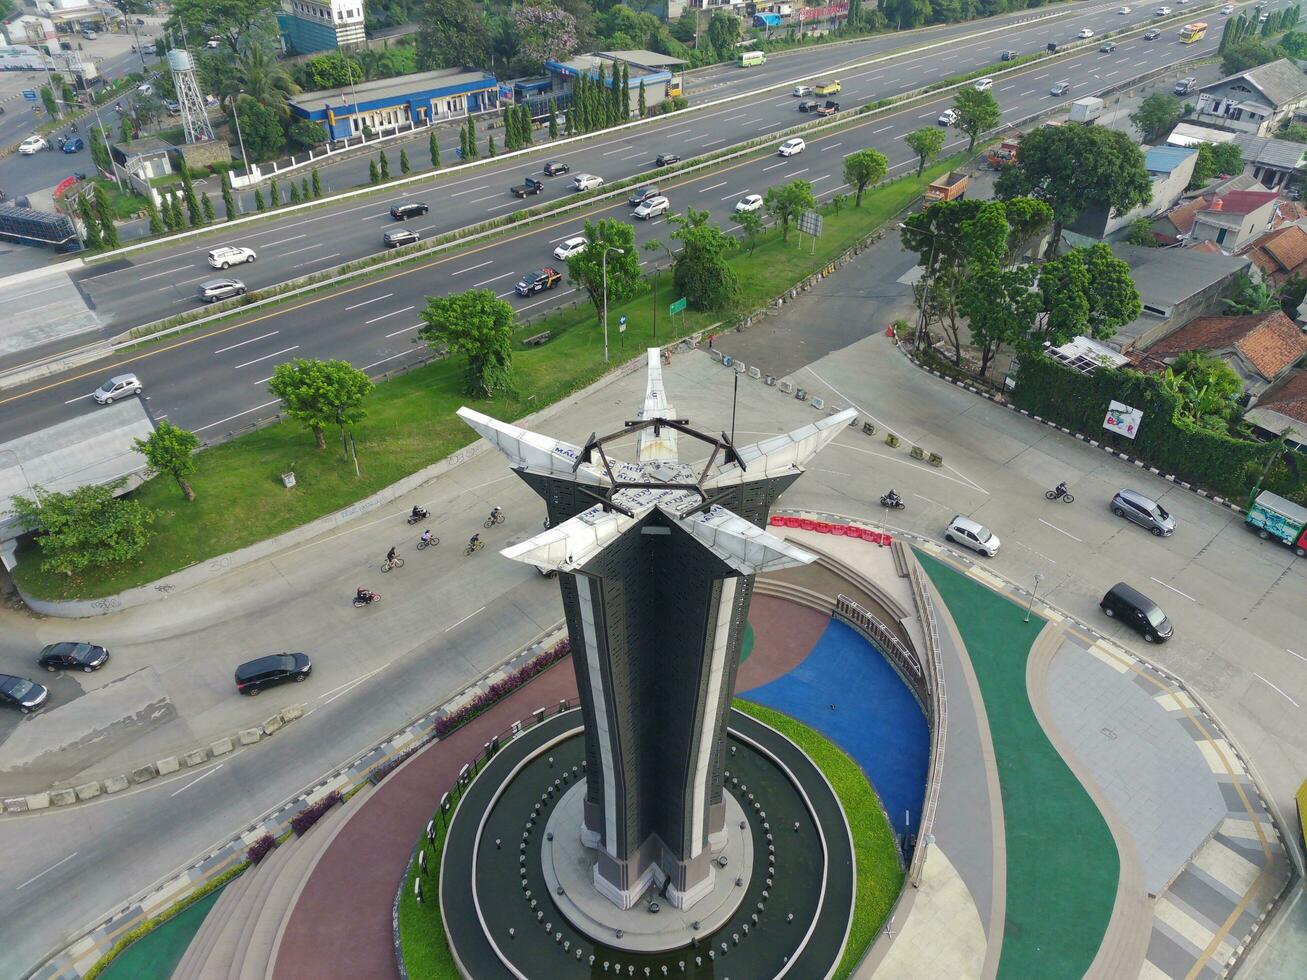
(1123, 420)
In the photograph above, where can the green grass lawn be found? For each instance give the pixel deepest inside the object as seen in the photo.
(1062, 864)
(411, 422)
(422, 940)
(879, 877)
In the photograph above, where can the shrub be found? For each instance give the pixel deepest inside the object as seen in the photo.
(260, 848)
(501, 689)
(311, 814)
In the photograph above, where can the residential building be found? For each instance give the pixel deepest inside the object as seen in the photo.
(1258, 101)
(1273, 162)
(1170, 168)
(1231, 219)
(388, 104)
(1279, 254)
(1187, 134)
(1175, 285)
(1261, 348)
(1283, 406)
(660, 73)
(309, 26)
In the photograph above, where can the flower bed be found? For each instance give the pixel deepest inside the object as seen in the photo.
(260, 848)
(311, 814)
(501, 689)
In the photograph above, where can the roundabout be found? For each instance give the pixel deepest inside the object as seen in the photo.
(780, 906)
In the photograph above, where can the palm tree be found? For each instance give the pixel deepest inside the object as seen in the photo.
(260, 76)
(505, 43)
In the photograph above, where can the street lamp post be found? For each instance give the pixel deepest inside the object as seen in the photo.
(603, 265)
(236, 115)
(1038, 578)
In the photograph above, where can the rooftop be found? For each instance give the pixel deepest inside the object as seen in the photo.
(142, 146)
(1289, 399)
(1269, 342)
(385, 88)
(1165, 276)
(1280, 252)
(1281, 82)
(1164, 159)
(1188, 134)
(1241, 202)
(647, 59)
(1270, 152)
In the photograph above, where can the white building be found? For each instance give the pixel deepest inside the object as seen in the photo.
(308, 26)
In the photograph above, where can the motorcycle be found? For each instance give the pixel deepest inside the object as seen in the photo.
(360, 601)
(421, 515)
(893, 503)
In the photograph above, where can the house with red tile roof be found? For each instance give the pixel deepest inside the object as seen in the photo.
(1262, 348)
(1280, 254)
(1283, 406)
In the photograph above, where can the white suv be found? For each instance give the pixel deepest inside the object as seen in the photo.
(33, 144)
(653, 206)
(792, 146)
(225, 256)
(585, 182)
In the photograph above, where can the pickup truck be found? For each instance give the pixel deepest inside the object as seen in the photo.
(1271, 516)
(528, 186)
(829, 109)
(951, 187)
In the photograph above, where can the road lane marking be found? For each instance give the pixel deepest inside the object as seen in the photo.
(465, 619)
(383, 360)
(831, 146)
(471, 267)
(486, 282)
(1024, 94)
(376, 299)
(509, 204)
(634, 155)
(306, 248)
(620, 149)
(470, 190)
(416, 326)
(320, 258)
(265, 336)
(384, 316)
(265, 357)
(882, 129)
(488, 197)
(205, 775)
(794, 173)
(1298, 655)
(1172, 588)
(46, 871)
(1264, 681)
(545, 300)
(1059, 530)
(822, 177)
(712, 187)
(275, 401)
(346, 688)
(715, 142)
(293, 238)
(166, 272)
(775, 165)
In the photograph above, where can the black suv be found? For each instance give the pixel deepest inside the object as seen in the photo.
(642, 194)
(555, 167)
(667, 159)
(74, 656)
(809, 105)
(254, 676)
(402, 212)
(538, 281)
(1138, 612)
(395, 239)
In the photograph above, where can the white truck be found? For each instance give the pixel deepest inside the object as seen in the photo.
(1086, 110)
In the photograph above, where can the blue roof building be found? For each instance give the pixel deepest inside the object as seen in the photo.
(393, 103)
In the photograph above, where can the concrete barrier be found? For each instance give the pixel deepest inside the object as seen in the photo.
(787, 387)
(196, 757)
(143, 774)
(167, 765)
(87, 791)
(755, 373)
(248, 736)
(63, 797)
(220, 747)
(272, 724)
(818, 403)
(16, 804)
(38, 801)
(292, 712)
(115, 784)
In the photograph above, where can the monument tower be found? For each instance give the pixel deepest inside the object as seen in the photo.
(656, 561)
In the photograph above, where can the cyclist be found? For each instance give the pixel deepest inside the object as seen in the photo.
(496, 515)
(1060, 489)
(474, 541)
(391, 555)
(426, 537)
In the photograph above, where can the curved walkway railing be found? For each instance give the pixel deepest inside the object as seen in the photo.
(939, 728)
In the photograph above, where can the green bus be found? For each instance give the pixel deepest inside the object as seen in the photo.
(751, 59)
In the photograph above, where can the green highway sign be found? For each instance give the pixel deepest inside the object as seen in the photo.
(677, 307)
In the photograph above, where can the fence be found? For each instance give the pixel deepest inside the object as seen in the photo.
(905, 661)
(939, 730)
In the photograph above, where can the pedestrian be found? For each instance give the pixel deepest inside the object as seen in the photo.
(711, 338)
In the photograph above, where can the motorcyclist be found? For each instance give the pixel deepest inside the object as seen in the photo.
(363, 595)
(418, 512)
(893, 496)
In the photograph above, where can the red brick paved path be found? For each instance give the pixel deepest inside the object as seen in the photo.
(341, 925)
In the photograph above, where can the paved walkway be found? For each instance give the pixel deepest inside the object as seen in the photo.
(341, 926)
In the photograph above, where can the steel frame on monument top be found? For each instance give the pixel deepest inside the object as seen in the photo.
(656, 561)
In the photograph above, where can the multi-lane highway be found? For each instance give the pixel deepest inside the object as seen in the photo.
(215, 380)
(162, 282)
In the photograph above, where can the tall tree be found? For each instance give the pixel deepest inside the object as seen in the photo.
(1075, 168)
(1001, 309)
(1027, 219)
(228, 20)
(750, 223)
(404, 166)
(87, 528)
(553, 121)
(156, 223)
(433, 147)
(188, 197)
(787, 202)
(1156, 116)
(1215, 160)
(228, 202)
(643, 103)
(316, 183)
(585, 269)
(926, 143)
(546, 32)
(702, 273)
(478, 326)
(321, 393)
(206, 209)
(451, 33)
(170, 450)
(862, 169)
(104, 211)
(977, 112)
(100, 153)
(383, 165)
(90, 224)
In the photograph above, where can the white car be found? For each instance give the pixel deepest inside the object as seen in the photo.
(145, 88)
(792, 146)
(573, 246)
(585, 182)
(212, 43)
(1161, 11)
(33, 144)
(984, 84)
(1086, 32)
(225, 256)
(801, 90)
(1228, 9)
(977, 537)
(653, 206)
(750, 202)
(1123, 10)
(948, 117)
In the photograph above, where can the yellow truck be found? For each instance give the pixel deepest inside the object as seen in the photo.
(831, 87)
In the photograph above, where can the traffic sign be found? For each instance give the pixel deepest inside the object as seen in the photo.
(677, 307)
(621, 324)
(29, 94)
(810, 223)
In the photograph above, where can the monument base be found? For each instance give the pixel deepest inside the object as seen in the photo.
(653, 923)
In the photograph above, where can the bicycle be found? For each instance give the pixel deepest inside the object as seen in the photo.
(428, 544)
(1066, 496)
(467, 552)
(493, 519)
(395, 562)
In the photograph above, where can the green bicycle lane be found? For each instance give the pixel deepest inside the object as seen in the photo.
(1062, 864)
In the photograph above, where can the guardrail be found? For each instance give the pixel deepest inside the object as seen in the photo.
(906, 661)
(939, 731)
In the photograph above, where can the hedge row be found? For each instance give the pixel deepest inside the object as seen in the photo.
(502, 688)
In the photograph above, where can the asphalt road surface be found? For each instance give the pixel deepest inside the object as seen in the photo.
(214, 381)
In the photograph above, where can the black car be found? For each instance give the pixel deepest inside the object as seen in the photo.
(402, 212)
(667, 159)
(1138, 612)
(642, 194)
(73, 656)
(538, 281)
(808, 105)
(1152, 35)
(394, 239)
(253, 677)
(556, 167)
(23, 694)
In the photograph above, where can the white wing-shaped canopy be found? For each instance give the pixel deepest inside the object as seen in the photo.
(656, 406)
(570, 545)
(781, 454)
(533, 451)
(741, 544)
